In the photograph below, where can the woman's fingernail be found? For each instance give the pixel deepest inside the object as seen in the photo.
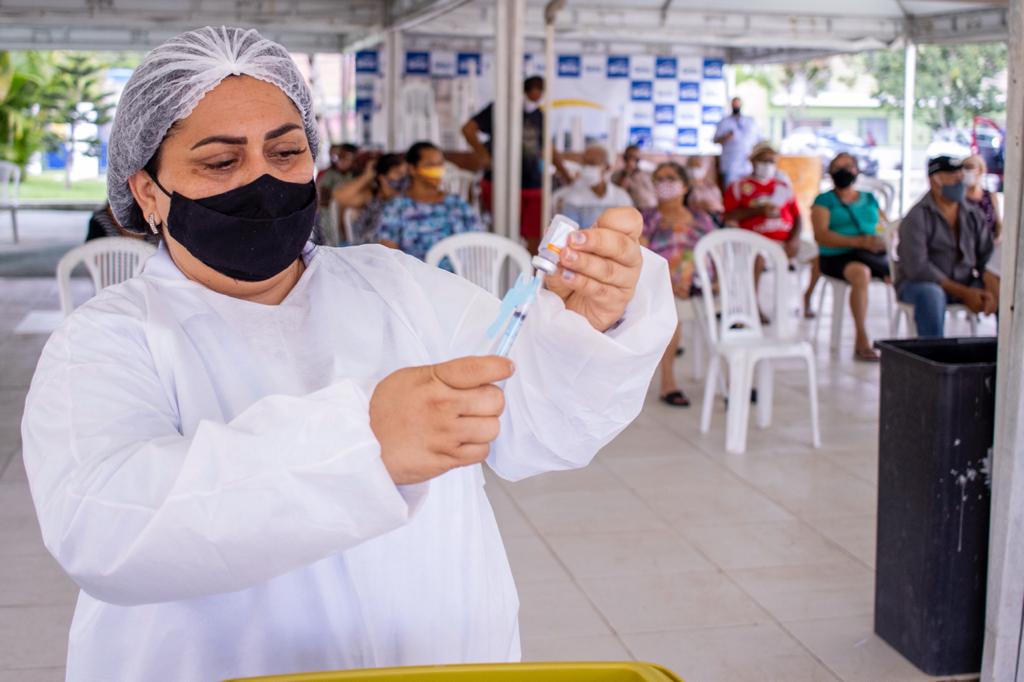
(571, 256)
(511, 367)
(578, 237)
(568, 275)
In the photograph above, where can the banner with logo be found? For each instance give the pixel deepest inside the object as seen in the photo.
(659, 102)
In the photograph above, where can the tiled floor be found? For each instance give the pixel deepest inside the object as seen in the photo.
(722, 567)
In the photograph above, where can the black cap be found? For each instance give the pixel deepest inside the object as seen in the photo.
(941, 164)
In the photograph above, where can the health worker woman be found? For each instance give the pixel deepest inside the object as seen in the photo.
(261, 456)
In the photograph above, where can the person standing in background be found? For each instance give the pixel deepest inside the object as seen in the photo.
(532, 178)
(737, 134)
(634, 180)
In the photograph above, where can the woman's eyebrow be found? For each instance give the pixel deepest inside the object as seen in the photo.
(222, 139)
(281, 130)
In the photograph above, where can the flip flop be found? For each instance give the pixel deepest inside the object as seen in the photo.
(676, 399)
(866, 355)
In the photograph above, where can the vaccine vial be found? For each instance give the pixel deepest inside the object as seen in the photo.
(555, 240)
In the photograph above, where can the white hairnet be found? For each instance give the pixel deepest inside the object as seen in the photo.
(168, 85)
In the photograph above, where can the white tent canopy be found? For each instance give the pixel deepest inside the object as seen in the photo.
(748, 29)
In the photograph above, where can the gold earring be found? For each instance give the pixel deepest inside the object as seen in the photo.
(151, 219)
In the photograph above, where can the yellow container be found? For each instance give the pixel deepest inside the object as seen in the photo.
(498, 672)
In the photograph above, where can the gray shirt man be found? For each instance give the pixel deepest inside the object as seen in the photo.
(929, 252)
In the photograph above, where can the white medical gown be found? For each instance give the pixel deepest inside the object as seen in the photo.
(203, 467)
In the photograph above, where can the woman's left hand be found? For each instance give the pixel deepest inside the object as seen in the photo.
(601, 267)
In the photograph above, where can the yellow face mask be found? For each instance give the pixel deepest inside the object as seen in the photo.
(435, 173)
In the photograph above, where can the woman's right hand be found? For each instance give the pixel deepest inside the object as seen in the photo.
(434, 418)
(872, 242)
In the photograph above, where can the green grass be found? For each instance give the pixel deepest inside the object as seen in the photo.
(50, 185)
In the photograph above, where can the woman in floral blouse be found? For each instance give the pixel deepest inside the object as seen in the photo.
(672, 231)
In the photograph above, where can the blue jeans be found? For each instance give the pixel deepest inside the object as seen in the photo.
(929, 301)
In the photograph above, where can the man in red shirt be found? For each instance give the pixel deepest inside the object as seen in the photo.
(765, 202)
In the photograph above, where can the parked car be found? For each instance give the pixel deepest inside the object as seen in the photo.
(827, 142)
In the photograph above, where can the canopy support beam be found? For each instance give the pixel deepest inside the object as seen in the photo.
(506, 157)
(909, 101)
(1004, 615)
(550, 14)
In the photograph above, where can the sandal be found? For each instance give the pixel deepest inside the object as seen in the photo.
(676, 399)
(866, 355)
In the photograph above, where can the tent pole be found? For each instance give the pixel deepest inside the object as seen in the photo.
(517, 28)
(1004, 621)
(392, 80)
(550, 13)
(499, 140)
(909, 76)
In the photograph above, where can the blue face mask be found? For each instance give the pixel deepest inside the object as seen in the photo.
(954, 192)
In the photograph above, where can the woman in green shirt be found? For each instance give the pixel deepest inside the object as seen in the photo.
(846, 227)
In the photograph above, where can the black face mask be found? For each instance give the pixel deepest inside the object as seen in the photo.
(735, 111)
(250, 233)
(843, 178)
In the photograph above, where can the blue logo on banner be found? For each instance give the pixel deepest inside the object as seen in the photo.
(364, 107)
(641, 136)
(468, 63)
(687, 137)
(417, 63)
(711, 114)
(366, 61)
(618, 67)
(689, 92)
(641, 91)
(569, 66)
(714, 69)
(665, 67)
(664, 113)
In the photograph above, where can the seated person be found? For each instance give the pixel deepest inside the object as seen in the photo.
(846, 227)
(975, 171)
(672, 231)
(944, 247)
(424, 215)
(764, 202)
(704, 195)
(382, 181)
(340, 172)
(634, 180)
(591, 193)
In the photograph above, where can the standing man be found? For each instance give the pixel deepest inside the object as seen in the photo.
(943, 252)
(737, 134)
(531, 181)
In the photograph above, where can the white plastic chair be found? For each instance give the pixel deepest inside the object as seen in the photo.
(10, 178)
(480, 257)
(905, 311)
(884, 191)
(109, 260)
(739, 339)
(348, 221)
(458, 181)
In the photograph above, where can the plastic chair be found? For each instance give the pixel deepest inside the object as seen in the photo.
(109, 260)
(905, 311)
(883, 190)
(738, 338)
(348, 221)
(480, 257)
(10, 178)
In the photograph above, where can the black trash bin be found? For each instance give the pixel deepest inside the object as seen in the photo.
(936, 426)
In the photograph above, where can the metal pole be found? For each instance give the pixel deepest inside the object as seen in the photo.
(1004, 620)
(499, 140)
(517, 28)
(909, 76)
(392, 85)
(550, 13)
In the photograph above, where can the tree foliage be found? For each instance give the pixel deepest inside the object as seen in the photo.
(75, 95)
(22, 79)
(953, 83)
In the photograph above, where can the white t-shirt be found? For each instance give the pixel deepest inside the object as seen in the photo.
(737, 148)
(579, 202)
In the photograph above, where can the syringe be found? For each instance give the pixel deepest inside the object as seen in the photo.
(546, 263)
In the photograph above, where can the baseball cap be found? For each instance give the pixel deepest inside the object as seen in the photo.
(941, 164)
